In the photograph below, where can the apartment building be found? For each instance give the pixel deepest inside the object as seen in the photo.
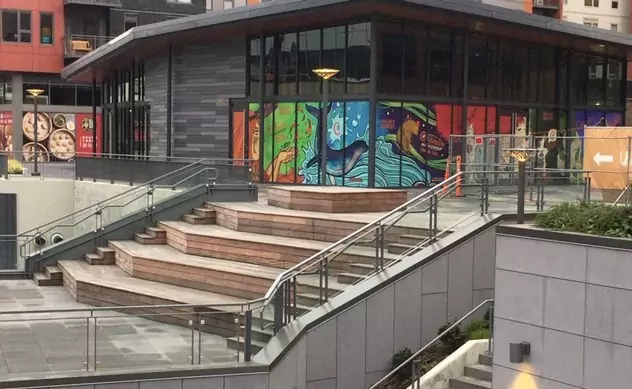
(38, 38)
(611, 15)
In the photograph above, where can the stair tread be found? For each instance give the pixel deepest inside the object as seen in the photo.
(115, 278)
(481, 367)
(156, 229)
(474, 381)
(53, 269)
(359, 217)
(168, 254)
(105, 250)
(144, 236)
(41, 276)
(352, 275)
(363, 265)
(217, 231)
(93, 255)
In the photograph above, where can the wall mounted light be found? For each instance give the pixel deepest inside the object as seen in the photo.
(519, 351)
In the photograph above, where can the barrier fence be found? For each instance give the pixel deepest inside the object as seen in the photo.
(117, 168)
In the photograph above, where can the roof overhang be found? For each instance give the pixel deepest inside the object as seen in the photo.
(282, 15)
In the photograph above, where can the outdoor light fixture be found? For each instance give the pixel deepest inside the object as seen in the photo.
(522, 156)
(325, 74)
(518, 352)
(35, 93)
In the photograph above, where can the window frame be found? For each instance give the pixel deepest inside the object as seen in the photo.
(615, 4)
(22, 30)
(52, 28)
(591, 3)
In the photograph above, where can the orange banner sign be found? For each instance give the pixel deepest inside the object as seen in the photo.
(606, 153)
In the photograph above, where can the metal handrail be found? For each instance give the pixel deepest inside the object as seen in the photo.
(148, 189)
(432, 342)
(316, 258)
(127, 192)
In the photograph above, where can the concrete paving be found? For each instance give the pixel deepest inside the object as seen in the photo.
(37, 343)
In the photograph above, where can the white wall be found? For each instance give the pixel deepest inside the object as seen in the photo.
(39, 201)
(576, 11)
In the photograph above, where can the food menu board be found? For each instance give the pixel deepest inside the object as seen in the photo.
(55, 136)
(86, 131)
(6, 131)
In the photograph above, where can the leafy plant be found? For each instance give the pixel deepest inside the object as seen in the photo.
(15, 167)
(400, 357)
(593, 219)
(452, 339)
(481, 333)
(475, 326)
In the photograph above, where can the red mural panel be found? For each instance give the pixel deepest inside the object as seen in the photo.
(476, 120)
(86, 132)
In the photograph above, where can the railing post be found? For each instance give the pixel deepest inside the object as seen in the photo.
(483, 195)
(381, 246)
(377, 247)
(430, 215)
(326, 274)
(415, 367)
(320, 282)
(436, 216)
(278, 308)
(248, 336)
(490, 325)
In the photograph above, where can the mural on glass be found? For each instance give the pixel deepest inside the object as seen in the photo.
(411, 143)
(347, 144)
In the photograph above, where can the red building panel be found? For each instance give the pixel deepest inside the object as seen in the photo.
(35, 56)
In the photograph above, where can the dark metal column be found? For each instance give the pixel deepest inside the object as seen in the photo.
(169, 100)
(373, 103)
(521, 188)
(466, 71)
(94, 116)
(262, 93)
(132, 104)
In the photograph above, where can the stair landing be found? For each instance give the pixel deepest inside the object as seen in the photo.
(336, 199)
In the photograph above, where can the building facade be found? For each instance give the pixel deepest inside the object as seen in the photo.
(406, 86)
(39, 38)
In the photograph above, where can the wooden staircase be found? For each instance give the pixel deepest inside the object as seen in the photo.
(225, 253)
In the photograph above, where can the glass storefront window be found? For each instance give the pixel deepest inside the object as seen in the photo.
(439, 62)
(270, 71)
(579, 78)
(334, 48)
(477, 69)
(389, 58)
(288, 62)
(520, 72)
(595, 89)
(358, 58)
(547, 76)
(534, 75)
(492, 69)
(414, 60)
(563, 76)
(309, 45)
(456, 80)
(615, 79)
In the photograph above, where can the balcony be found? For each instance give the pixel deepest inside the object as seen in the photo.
(100, 3)
(547, 4)
(76, 45)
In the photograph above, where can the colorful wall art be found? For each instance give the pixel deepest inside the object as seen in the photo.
(291, 142)
(6, 131)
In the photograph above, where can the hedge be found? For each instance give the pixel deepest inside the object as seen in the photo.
(588, 218)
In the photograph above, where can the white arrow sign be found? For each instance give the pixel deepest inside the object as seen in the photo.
(602, 158)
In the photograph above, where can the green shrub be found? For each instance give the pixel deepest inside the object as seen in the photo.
(594, 219)
(400, 357)
(481, 333)
(453, 339)
(15, 167)
(475, 326)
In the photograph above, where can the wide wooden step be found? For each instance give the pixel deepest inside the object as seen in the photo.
(111, 286)
(265, 219)
(282, 252)
(43, 279)
(54, 272)
(165, 264)
(147, 239)
(98, 260)
(196, 219)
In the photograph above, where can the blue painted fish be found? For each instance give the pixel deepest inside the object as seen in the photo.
(340, 162)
